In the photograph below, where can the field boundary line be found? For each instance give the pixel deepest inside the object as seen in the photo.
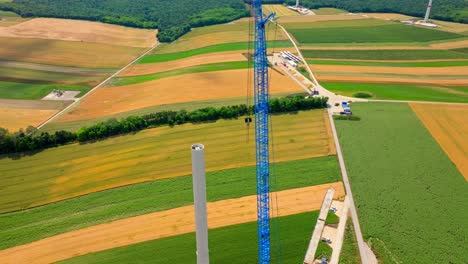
(96, 87)
(416, 102)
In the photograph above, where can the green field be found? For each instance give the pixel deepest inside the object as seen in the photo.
(77, 169)
(396, 33)
(410, 196)
(350, 251)
(391, 64)
(338, 24)
(401, 91)
(384, 54)
(163, 57)
(237, 244)
(221, 66)
(328, 11)
(15, 90)
(101, 207)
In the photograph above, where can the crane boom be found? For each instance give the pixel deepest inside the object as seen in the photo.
(261, 91)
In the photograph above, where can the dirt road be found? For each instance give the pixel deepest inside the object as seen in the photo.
(161, 224)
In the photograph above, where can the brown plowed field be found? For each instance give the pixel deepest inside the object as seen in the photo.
(161, 224)
(177, 89)
(148, 68)
(78, 30)
(448, 124)
(442, 82)
(459, 70)
(14, 119)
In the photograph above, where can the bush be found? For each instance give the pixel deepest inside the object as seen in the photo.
(346, 117)
(362, 95)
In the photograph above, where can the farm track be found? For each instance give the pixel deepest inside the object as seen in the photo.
(162, 224)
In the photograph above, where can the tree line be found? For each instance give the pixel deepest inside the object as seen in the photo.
(171, 18)
(29, 140)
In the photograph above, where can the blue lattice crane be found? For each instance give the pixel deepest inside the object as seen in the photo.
(261, 106)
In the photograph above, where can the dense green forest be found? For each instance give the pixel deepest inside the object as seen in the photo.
(452, 10)
(173, 18)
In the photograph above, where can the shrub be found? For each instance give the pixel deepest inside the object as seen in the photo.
(362, 95)
(346, 117)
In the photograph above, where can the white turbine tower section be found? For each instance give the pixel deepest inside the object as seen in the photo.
(428, 12)
(297, 3)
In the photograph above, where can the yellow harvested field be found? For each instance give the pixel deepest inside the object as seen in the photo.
(452, 26)
(280, 10)
(177, 89)
(148, 68)
(67, 53)
(451, 45)
(306, 19)
(456, 70)
(391, 16)
(78, 30)
(77, 169)
(395, 80)
(162, 224)
(448, 124)
(15, 119)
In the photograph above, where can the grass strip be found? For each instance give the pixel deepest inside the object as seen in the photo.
(16, 90)
(401, 91)
(220, 66)
(232, 244)
(153, 58)
(30, 225)
(349, 251)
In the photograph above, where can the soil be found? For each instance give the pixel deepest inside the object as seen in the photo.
(162, 224)
(448, 124)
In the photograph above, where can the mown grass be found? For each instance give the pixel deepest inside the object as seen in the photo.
(16, 90)
(232, 244)
(408, 193)
(349, 251)
(338, 24)
(370, 34)
(101, 207)
(391, 64)
(401, 91)
(153, 58)
(328, 11)
(77, 169)
(220, 66)
(384, 54)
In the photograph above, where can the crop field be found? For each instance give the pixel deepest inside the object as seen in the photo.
(8, 19)
(425, 80)
(448, 124)
(96, 208)
(176, 89)
(237, 243)
(280, 10)
(338, 24)
(15, 119)
(460, 71)
(161, 224)
(81, 31)
(387, 91)
(369, 34)
(308, 19)
(64, 172)
(148, 68)
(16, 90)
(407, 191)
(328, 11)
(394, 55)
(234, 32)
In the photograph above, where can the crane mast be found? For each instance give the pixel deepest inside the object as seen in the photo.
(261, 91)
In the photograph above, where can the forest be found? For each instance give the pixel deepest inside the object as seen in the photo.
(451, 10)
(172, 18)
